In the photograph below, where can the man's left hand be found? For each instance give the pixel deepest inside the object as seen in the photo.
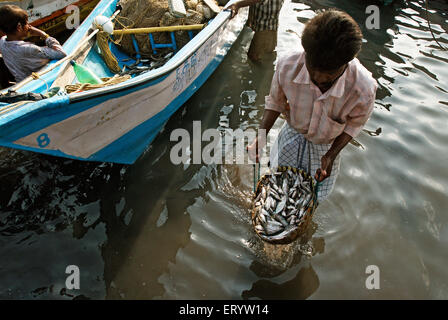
(33, 31)
(325, 170)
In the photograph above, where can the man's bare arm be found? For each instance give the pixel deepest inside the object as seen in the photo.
(269, 117)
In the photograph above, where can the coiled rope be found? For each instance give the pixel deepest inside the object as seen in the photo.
(88, 86)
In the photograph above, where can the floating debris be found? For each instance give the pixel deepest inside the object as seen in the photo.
(283, 205)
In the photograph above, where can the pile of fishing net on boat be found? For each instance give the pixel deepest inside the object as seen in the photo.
(156, 13)
(283, 205)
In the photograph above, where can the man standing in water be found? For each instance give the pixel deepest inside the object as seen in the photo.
(263, 19)
(326, 96)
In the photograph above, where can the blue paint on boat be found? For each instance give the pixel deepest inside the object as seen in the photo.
(58, 108)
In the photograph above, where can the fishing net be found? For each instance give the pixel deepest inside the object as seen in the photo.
(155, 13)
(102, 40)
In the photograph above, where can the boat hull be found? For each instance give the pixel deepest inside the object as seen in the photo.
(118, 126)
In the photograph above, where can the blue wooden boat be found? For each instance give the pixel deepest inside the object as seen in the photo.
(115, 123)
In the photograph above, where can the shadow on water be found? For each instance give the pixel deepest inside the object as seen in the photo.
(153, 192)
(304, 283)
(50, 203)
(47, 205)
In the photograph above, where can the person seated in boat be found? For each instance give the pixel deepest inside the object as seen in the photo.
(23, 58)
(326, 96)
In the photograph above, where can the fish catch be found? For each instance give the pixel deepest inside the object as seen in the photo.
(283, 205)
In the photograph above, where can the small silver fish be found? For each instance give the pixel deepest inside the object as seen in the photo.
(267, 204)
(273, 204)
(285, 187)
(281, 235)
(293, 220)
(300, 202)
(273, 229)
(263, 193)
(294, 194)
(306, 188)
(284, 199)
(264, 212)
(280, 219)
(280, 206)
(302, 212)
(291, 191)
(275, 195)
(297, 182)
(277, 189)
(308, 200)
(274, 222)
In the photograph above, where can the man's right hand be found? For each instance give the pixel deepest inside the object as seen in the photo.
(233, 9)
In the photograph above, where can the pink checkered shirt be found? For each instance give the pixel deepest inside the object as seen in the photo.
(345, 107)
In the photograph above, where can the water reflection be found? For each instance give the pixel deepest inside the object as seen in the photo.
(302, 286)
(48, 205)
(275, 261)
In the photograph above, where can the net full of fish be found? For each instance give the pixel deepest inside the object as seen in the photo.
(283, 205)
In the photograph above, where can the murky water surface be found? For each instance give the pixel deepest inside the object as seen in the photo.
(155, 230)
